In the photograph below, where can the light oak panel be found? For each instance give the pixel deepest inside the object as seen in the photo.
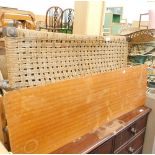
(1, 122)
(44, 118)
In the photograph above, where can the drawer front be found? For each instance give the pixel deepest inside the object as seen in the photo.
(139, 151)
(130, 132)
(141, 123)
(105, 148)
(124, 136)
(133, 146)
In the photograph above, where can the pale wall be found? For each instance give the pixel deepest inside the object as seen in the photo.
(143, 24)
(149, 141)
(88, 17)
(152, 18)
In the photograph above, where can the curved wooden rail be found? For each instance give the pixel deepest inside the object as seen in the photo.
(141, 36)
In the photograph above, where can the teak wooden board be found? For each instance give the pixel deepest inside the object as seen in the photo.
(91, 141)
(44, 118)
(1, 122)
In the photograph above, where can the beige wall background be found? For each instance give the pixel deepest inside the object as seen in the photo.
(39, 8)
(89, 17)
(40, 17)
(149, 142)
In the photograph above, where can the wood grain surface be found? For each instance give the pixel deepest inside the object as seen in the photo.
(44, 118)
(3, 126)
(91, 141)
(1, 122)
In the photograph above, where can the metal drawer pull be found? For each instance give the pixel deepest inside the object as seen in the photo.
(131, 150)
(133, 130)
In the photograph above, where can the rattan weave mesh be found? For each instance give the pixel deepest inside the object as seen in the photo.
(37, 58)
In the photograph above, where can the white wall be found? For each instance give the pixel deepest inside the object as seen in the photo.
(88, 17)
(132, 8)
(149, 141)
(37, 6)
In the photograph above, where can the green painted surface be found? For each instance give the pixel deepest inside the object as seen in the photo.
(108, 19)
(113, 19)
(116, 18)
(116, 29)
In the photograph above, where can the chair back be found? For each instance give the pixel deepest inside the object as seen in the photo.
(67, 19)
(54, 19)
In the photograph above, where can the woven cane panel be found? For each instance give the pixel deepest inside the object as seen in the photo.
(3, 66)
(36, 58)
(44, 118)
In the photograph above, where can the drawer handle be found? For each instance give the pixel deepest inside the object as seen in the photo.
(131, 150)
(133, 130)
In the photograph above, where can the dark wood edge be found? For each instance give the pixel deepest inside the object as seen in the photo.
(130, 140)
(96, 145)
(135, 119)
(136, 152)
(147, 111)
(101, 141)
(122, 129)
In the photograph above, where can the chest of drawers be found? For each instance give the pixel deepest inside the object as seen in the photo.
(126, 139)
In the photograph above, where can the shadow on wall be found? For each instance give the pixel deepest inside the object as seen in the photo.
(149, 143)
